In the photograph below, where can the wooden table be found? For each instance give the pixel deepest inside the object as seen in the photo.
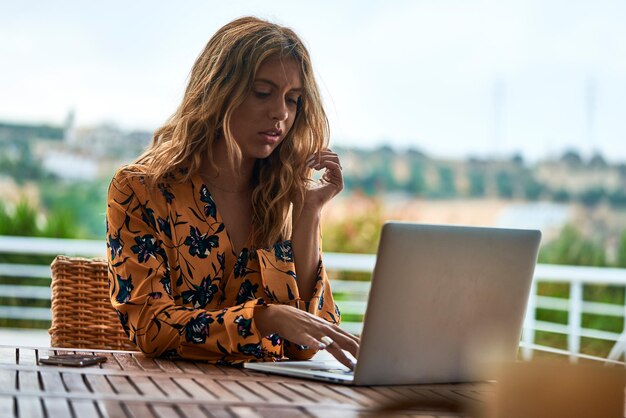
(131, 385)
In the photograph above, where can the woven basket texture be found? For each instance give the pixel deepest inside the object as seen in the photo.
(82, 315)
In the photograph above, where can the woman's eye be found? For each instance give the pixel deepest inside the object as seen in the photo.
(293, 100)
(261, 94)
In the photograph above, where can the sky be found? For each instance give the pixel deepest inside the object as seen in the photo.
(478, 78)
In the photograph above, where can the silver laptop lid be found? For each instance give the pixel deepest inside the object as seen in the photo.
(445, 302)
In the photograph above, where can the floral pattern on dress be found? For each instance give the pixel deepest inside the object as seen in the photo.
(200, 245)
(179, 288)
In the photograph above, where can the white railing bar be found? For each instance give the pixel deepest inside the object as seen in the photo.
(597, 308)
(332, 260)
(52, 246)
(346, 286)
(352, 307)
(584, 332)
(25, 292)
(354, 287)
(349, 262)
(346, 306)
(528, 333)
(19, 312)
(25, 270)
(574, 318)
(15, 312)
(355, 328)
(620, 346)
(589, 275)
(357, 306)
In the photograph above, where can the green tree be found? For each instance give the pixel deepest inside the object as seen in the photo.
(561, 196)
(83, 204)
(504, 183)
(416, 183)
(357, 234)
(60, 224)
(19, 163)
(447, 188)
(617, 198)
(476, 182)
(572, 248)
(27, 220)
(532, 188)
(593, 196)
(621, 251)
(22, 222)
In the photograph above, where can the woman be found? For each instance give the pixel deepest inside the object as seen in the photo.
(212, 233)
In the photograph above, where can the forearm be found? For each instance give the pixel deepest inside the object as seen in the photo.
(305, 245)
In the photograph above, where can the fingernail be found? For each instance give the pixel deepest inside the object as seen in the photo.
(322, 346)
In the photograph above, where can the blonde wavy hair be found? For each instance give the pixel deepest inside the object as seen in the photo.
(220, 80)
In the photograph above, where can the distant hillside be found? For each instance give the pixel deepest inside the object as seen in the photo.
(28, 154)
(10, 132)
(569, 178)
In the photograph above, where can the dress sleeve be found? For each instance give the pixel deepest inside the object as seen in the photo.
(279, 278)
(141, 291)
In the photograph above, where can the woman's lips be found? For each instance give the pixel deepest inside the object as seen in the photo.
(270, 138)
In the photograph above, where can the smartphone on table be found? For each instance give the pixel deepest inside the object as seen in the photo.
(73, 360)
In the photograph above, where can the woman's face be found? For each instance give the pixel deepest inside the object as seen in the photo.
(265, 117)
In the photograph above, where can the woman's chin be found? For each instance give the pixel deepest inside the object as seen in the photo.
(261, 154)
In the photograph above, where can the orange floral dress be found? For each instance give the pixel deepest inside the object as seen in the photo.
(179, 288)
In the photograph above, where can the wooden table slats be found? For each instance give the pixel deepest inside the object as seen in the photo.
(146, 363)
(113, 409)
(139, 410)
(111, 362)
(189, 385)
(27, 356)
(217, 390)
(131, 385)
(127, 362)
(7, 406)
(30, 407)
(57, 407)
(8, 355)
(123, 385)
(52, 381)
(85, 408)
(263, 391)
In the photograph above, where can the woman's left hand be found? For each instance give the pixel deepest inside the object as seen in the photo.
(329, 185)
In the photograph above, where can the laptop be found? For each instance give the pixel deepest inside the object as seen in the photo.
(446, 304)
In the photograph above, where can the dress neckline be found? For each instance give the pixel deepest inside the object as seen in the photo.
(197, 179)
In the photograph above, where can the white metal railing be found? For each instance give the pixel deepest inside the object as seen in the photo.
(575, 276)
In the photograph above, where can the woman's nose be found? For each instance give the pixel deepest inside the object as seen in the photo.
(279, 110)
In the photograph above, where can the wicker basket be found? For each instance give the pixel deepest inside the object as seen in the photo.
(82, 315)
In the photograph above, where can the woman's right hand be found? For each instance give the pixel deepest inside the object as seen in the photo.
(300, 327)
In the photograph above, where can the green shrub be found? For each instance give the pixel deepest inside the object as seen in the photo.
(572, 248)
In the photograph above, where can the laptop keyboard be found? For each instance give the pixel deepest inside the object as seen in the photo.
(342, 372)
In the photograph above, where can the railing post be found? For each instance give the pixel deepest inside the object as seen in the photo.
(619, 347)
(574, 320)
(528, 333)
